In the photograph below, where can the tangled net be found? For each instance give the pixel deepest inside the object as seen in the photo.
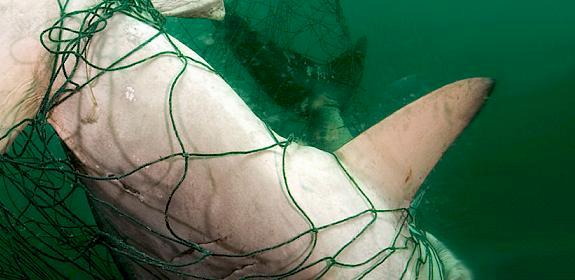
(46, 229)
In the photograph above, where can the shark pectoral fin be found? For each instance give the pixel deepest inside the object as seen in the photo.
(395, 155)
(210, 9)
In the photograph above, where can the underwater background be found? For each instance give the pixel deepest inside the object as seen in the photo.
(501, 198)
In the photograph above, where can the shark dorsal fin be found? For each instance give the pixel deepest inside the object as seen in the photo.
(395, 155)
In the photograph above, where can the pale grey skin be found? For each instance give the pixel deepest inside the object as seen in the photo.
(25, 64)
(232, 204)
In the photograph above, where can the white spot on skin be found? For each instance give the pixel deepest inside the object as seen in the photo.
(130, 94)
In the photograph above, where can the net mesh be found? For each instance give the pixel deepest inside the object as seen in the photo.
(47, 231)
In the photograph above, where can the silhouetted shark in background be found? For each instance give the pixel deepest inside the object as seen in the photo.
(316, 90)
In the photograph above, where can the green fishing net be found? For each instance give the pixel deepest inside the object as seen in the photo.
(288, 59)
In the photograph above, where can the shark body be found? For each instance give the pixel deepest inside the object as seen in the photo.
(210, 214)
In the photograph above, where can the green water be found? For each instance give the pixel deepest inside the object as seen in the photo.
(501, 197)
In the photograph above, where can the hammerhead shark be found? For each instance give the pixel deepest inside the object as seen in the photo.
(196, 186)
(316, 91)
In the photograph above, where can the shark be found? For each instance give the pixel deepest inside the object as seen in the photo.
(195, 186)
(316, 91)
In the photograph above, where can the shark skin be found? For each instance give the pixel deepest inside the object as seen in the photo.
(237, 204)
(234, 204)
(26, 65)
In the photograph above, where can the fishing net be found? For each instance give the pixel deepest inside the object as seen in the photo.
(275, 54)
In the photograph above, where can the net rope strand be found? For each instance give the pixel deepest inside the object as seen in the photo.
(41, 236)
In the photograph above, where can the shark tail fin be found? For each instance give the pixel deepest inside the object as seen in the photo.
(327, 128)
(348, 67)
(395, 155)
